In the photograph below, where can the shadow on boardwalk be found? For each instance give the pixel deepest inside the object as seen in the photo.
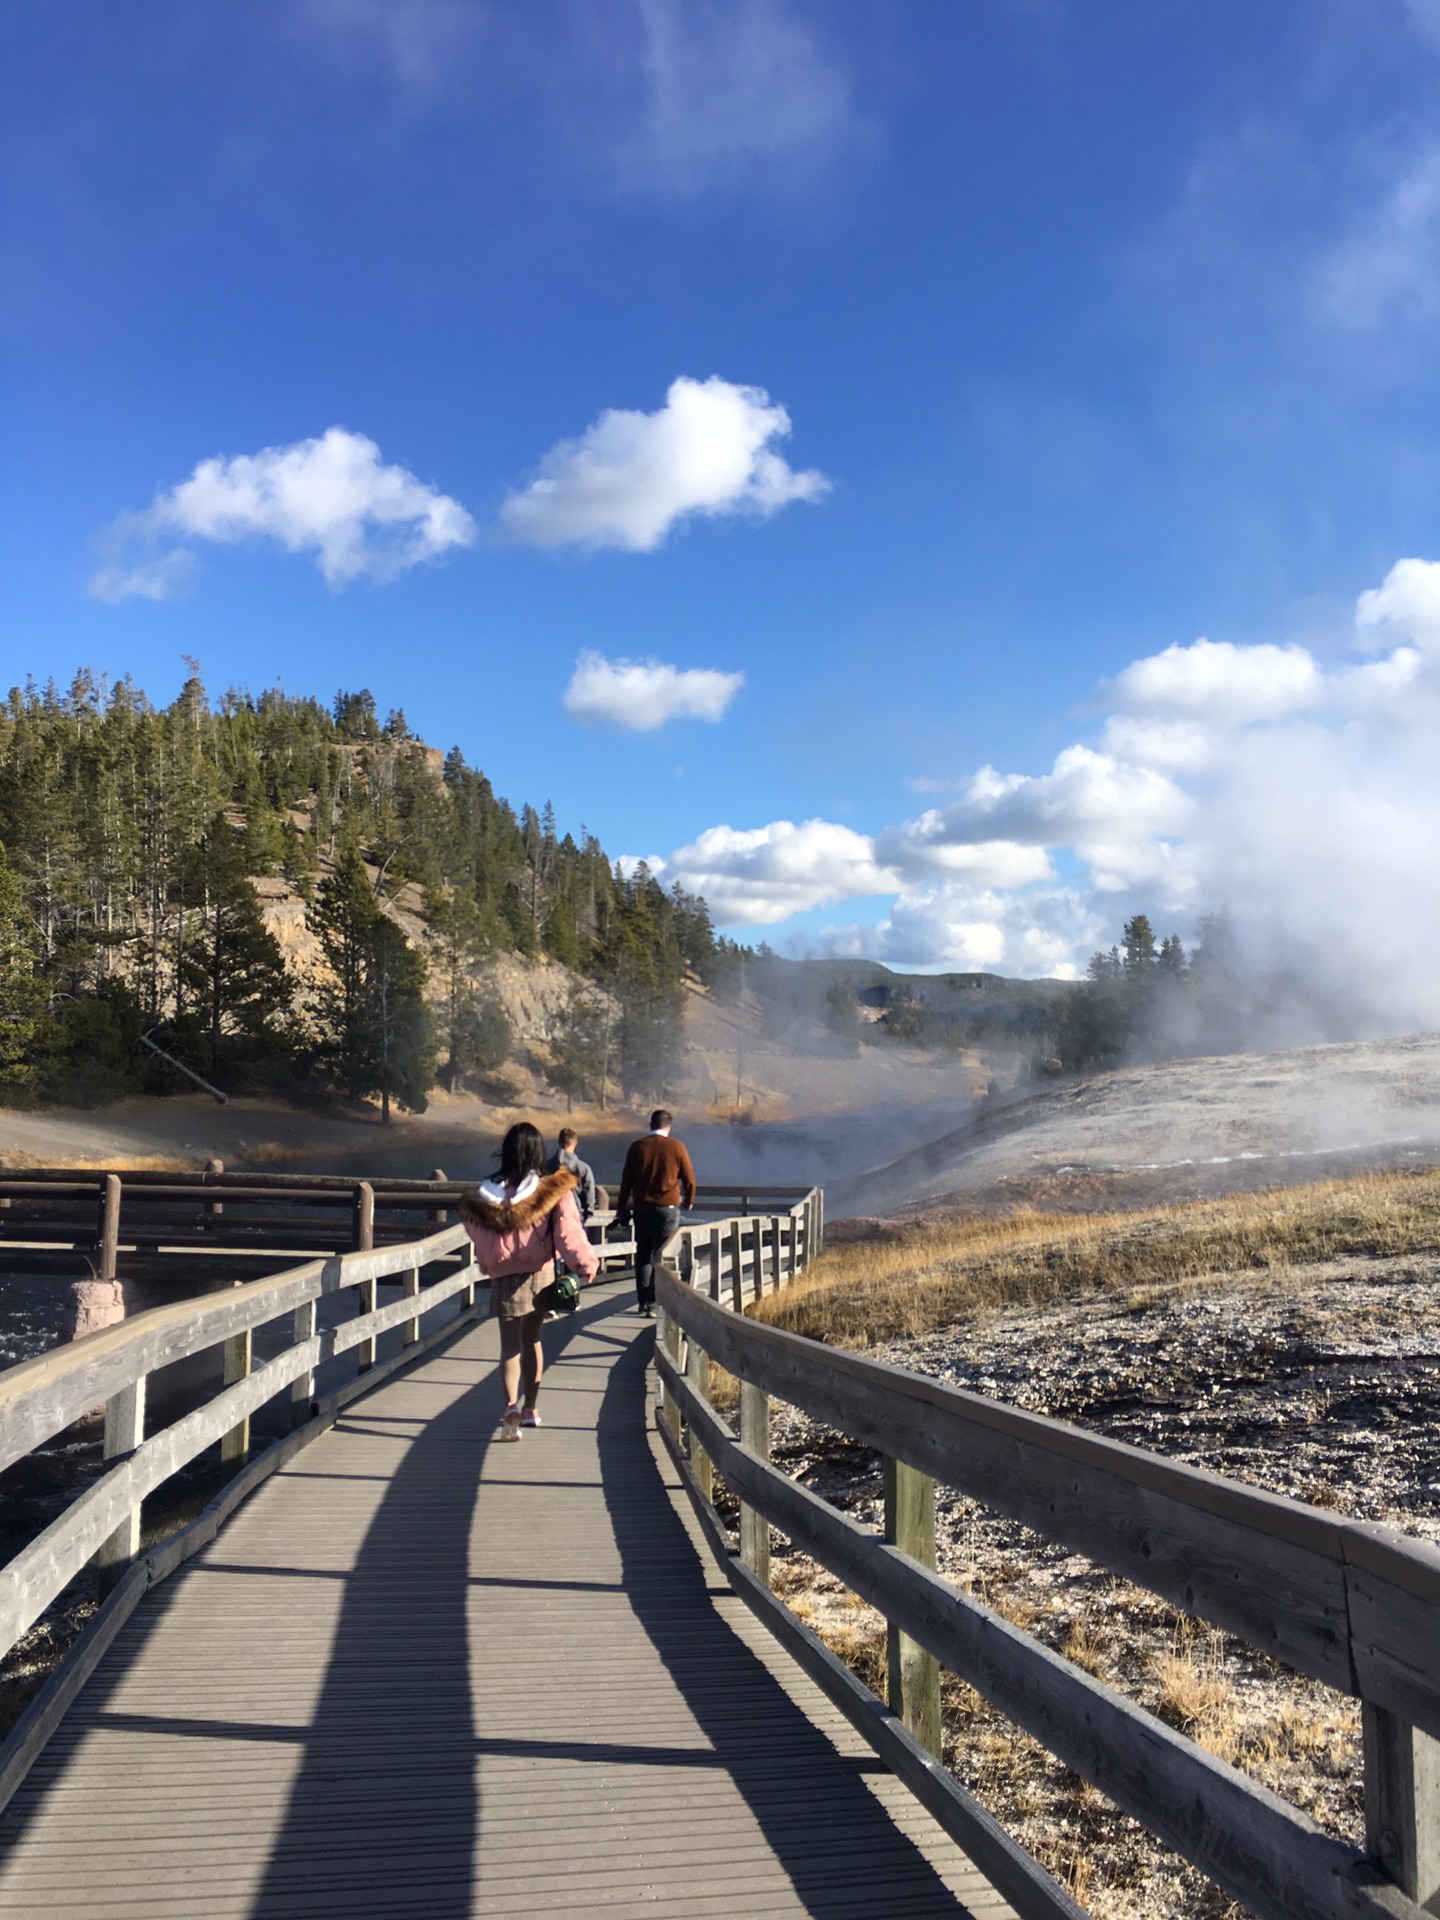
(843, 1854)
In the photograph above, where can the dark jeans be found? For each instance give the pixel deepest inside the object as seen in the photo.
(653, 1227)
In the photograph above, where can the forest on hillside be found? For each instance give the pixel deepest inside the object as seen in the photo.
(131, 838)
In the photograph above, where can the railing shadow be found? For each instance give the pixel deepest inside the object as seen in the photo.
(842, 1852)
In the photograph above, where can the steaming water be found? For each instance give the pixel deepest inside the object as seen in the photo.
(801, 1153)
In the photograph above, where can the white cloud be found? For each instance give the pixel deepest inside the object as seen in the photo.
(641, 695)
(924, 846)
(764, 874)
(732, 92)
(1405, 606)
(1216, 681)
(330, 496)
(972, 929)
(632, 476)
(1115, 815)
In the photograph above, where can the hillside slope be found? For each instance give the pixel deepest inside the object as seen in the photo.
(1178, 1128)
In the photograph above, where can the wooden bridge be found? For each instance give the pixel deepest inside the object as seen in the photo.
(392, 1669)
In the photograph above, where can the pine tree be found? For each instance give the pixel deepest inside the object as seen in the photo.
(1139, 943)
(401, 1025)
(235, 970)
(377, 1033)
(579, 1049)
(481, 1038)
(345, 916)
(28, 1035)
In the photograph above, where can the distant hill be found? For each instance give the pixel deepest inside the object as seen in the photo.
(946, 1009)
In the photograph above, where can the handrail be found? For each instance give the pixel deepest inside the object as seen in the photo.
(1355, 1605)
(42, 1396)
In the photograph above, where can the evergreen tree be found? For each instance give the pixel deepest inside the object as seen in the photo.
(579, 1049)
(234, 967)
(480, 1039)
(400, 1024)
(345, 916)
(1139, 942)
(28, 1034)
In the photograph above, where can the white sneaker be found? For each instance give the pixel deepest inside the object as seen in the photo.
(510, 1422)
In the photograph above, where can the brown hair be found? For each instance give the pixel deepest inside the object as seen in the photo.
(662, 1117)
(567, 1137)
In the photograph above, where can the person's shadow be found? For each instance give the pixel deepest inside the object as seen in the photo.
(384, 1812)
(844, 1856)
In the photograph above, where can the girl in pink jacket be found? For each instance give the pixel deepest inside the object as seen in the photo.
(519, 1222)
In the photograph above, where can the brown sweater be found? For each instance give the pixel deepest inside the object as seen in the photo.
(657, 1173)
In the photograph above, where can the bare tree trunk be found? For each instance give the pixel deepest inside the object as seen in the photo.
(215, 976)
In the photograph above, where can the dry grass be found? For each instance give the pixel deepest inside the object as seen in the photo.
(916, 1277)
(17, 1160)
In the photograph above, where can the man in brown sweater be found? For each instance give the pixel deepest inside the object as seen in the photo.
(657, 1181)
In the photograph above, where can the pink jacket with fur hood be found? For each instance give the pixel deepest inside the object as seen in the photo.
(519, 1229)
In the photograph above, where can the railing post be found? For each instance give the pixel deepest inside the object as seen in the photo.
(758, 1237)
(669, 1406)
(687, 1257)
(1402, 1803)
(755, 1434)
(775, 1275)
(697, 1372)
(110, 1227)
(819, 1221)
(302, 1391)
(467, 1298)
(715, 1263)
(737, 1267)
(213, 1208)
(792, 1242)
(409, 1287)
(235, 1445)
(914, 1683)
(367, 1293)
(366, 1296)
(124, 1430)
(437, 1214)
(363, 1215)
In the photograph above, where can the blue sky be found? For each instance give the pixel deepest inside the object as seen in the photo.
(1081, 333)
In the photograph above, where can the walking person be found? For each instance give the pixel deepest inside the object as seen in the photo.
(520, 1221)
(657, 1181)
(565, 1156)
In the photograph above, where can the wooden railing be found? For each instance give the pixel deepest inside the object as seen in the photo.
(265, 1215)
(1354, 1605)
(40, 1398)
(107, 1217)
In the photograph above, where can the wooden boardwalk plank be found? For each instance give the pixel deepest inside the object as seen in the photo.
(421, 1673)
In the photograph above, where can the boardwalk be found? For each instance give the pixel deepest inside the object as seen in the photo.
(421, 1674)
